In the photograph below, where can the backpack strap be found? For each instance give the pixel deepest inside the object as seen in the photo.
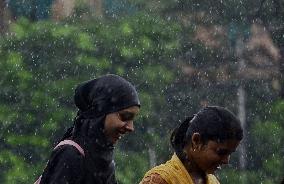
(38, 180)
(72, 143)
(68, 142)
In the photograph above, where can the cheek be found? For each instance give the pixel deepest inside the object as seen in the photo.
(116, 125)
(201, 159)
(207, 159)
(109, 126)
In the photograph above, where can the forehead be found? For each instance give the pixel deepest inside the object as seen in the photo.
(229, 145)
(132, 109)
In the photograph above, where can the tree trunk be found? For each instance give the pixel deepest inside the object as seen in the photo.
(242, 117)
(2, 22)
(241, 105)
(62, 9)
(152, 157)
(151, 151)
(281, 69)
(96, 7)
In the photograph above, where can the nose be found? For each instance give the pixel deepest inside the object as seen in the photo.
(129, 126)
(225, 159)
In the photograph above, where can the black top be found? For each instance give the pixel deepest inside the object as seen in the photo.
(94, 99)
(68, 166)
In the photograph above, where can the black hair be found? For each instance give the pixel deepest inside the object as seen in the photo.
(212, 123)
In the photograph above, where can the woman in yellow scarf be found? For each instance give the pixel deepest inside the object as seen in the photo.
(202, 144)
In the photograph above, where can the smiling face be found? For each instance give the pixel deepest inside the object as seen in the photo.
(210, 156)
(119, 123)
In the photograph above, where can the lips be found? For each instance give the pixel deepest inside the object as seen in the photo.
(121, 133)
(118, 135)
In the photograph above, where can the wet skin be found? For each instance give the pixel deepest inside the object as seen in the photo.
(212, 155)
(119, 123)
(207, 158)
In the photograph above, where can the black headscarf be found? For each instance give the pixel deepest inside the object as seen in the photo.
(104, 95)
(95, 99)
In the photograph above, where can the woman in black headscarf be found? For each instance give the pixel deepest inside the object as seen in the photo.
(107, 107)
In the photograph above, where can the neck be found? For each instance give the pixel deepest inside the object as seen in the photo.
(198, 175)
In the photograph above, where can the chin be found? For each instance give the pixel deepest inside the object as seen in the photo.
(114, 140)
(211, 171)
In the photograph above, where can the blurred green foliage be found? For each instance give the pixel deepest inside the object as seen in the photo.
(42, 62)
(156, 49)
(33, 9)
(267, 161)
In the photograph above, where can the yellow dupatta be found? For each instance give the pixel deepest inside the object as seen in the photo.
(174, 172)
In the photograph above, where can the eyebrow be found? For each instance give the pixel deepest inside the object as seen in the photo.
(225, 151)
(126, 112)
(126, 115)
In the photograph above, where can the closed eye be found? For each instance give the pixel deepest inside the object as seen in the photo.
(126, 116)
(223, 152)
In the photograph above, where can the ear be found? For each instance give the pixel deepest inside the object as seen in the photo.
(196, 141)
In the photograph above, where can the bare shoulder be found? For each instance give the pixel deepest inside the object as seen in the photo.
(153, 178)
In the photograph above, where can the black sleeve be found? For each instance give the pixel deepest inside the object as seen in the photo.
(65, 166)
